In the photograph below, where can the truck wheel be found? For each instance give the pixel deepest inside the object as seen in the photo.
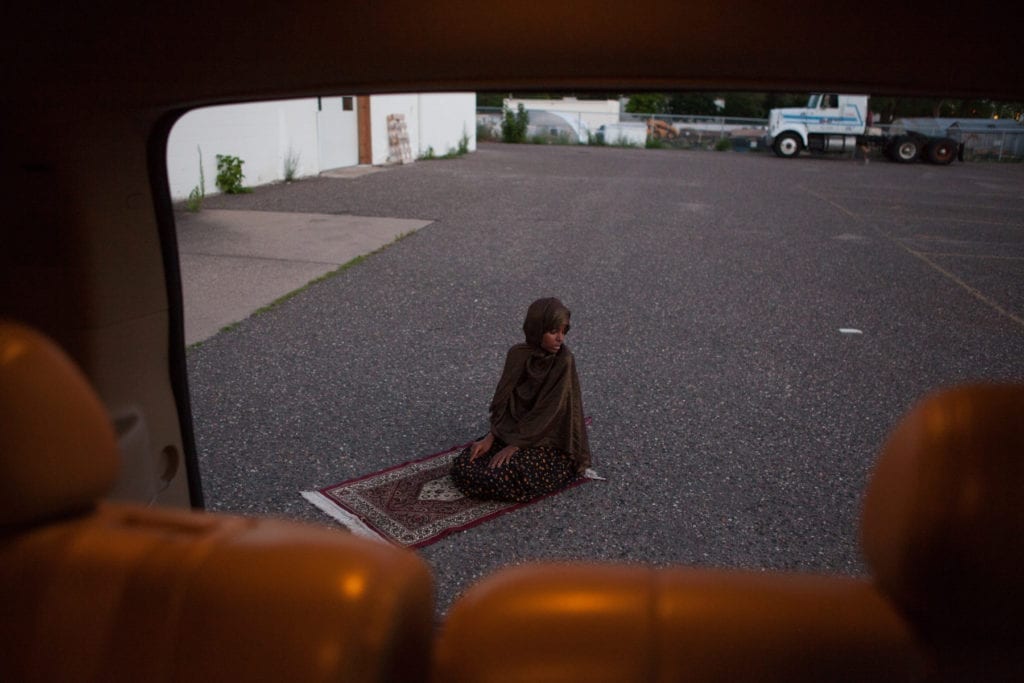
(941, 151)
(787, 145)
(905, 149)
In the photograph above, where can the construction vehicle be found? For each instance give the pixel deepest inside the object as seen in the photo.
(843, 123)
(660, 130)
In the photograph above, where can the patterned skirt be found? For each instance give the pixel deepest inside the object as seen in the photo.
(529, 473)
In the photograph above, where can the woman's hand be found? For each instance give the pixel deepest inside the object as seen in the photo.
(503, 456)
(480, 447)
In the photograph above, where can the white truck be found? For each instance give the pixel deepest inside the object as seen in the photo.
(842, 123)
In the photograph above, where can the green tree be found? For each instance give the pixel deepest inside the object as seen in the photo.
(692, 103)
(647, 103)
(490, 99)
(779, 100)
(1010, 110)
(745, 105)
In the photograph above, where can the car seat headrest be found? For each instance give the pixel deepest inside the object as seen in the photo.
(943, 521)
(58, 451)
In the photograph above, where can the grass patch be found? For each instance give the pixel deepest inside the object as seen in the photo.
(559, 137)
(295, 292)
(198, 193)
(326, 276)
(453, 153)
(624, 143)
(291, 165)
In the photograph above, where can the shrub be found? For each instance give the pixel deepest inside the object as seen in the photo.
(723, 145)
(195, 200)
(514, 124)
(229, 174)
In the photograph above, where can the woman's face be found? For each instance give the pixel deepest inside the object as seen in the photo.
(552, 341)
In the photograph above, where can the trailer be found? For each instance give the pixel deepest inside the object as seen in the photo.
(843, 123)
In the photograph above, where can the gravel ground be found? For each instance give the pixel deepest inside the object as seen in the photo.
(735, 423)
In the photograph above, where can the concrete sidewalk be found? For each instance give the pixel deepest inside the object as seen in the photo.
(235, 262)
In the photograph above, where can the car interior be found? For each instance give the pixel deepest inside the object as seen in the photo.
(111, 569)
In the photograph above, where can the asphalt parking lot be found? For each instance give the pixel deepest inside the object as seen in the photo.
(747, 330)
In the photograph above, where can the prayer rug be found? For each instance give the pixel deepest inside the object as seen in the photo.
(413, 504)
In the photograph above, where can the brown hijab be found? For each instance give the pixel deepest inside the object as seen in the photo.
(537, 402)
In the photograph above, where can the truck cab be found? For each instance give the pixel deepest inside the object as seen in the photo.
(842, 123)
(830, 122)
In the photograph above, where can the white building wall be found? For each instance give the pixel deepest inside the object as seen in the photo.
(261, 134)
(382, 106)
(434, 121)
(444, 119)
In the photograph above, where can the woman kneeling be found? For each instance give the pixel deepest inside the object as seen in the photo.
(537, 443)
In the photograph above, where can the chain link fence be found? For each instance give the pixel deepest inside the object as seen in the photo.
(984, 139)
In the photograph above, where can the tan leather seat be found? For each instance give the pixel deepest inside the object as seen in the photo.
(96, 591)
(592, 622)
(941, 528)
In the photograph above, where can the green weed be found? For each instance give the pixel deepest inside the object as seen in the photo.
(229, 175)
